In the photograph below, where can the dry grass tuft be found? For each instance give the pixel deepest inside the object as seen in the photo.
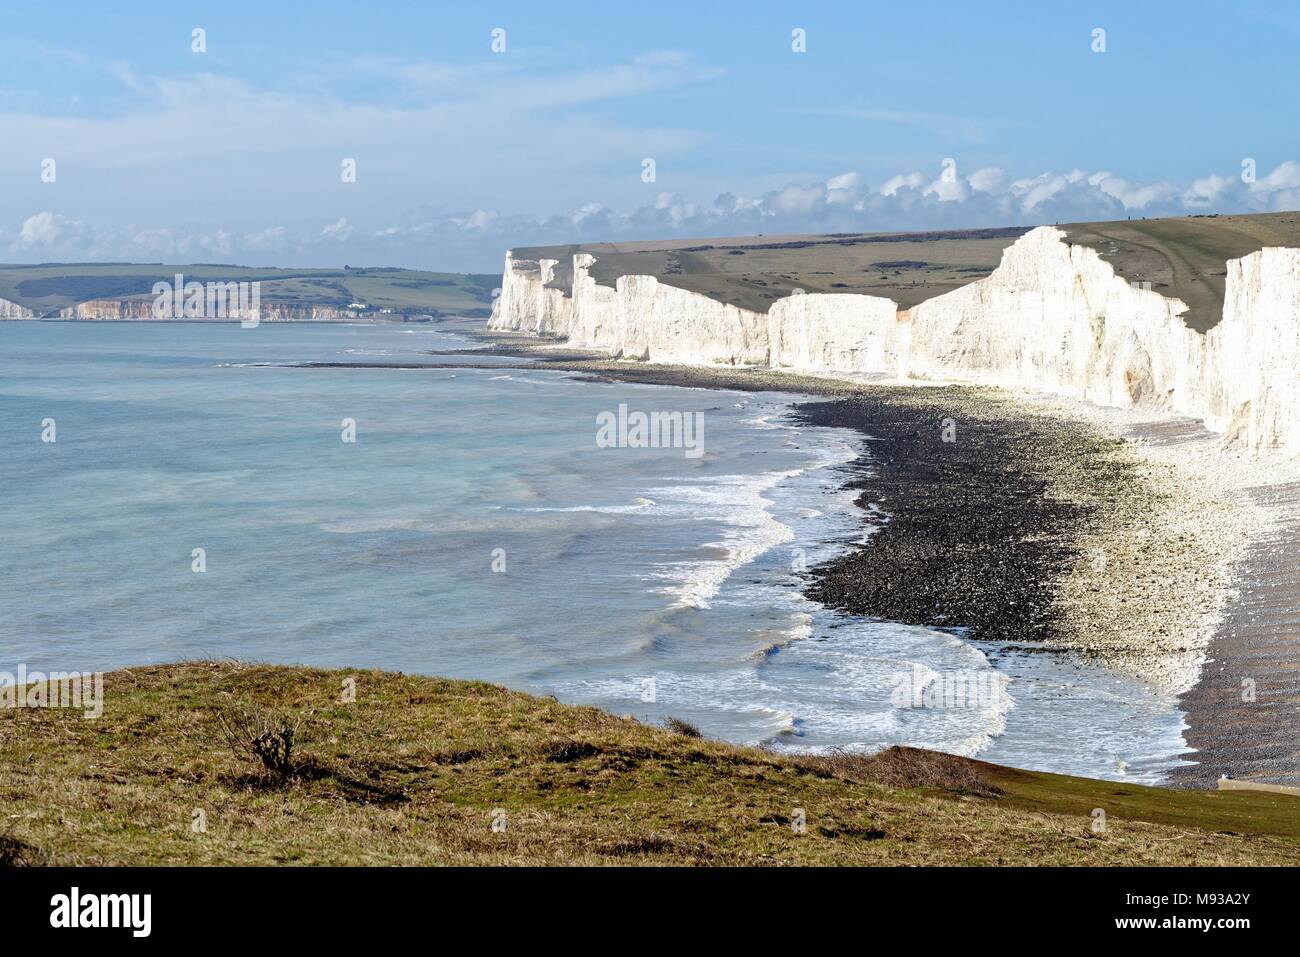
(899, 767)
(678, 726)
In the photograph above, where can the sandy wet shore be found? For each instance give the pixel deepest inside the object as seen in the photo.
(1242, 714)
(1243, 706)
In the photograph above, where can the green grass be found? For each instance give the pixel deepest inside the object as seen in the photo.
(753, 272)
(1186, 258)
(413, 771)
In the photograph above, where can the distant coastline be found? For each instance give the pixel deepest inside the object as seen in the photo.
(129, 292)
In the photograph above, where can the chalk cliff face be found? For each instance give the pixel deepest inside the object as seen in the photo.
(1053, 317)
(1253, 356)
(11, 310)
(526, 304)
(142, 309)
(642, 318)
(1056, 318)
(835, 333)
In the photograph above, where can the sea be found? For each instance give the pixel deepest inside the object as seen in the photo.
(175, 491)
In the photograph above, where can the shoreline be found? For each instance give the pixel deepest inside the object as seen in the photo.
(1056, 479)
(1136, 538)
(1242, 711)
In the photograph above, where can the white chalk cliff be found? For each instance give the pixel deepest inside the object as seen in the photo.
(11, 310)
(1053, 317)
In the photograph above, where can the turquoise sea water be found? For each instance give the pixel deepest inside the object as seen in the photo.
(476, 529)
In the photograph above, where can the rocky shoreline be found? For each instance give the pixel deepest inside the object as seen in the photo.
(970, 536)
(1043, 522)
(1014, 520)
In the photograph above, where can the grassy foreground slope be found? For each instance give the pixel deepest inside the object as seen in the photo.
(413, 771)
(48, 287)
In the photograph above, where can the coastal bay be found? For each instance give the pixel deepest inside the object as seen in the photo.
(1142, 530)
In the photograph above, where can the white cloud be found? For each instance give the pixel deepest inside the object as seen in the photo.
(473, 239)
(797, 200)
(902, 181)
(1204, 192)
(270, 240)
(1036, 190)
(949, 188)
(339, 230)
(1285, 176)
(987, 180)
(1136, 195)
(161, 148)
(43, 229)
(843, 188)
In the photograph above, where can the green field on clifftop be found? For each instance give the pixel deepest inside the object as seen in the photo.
(1183, 258)
(48, 287)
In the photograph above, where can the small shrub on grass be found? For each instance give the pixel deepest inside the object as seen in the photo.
(570, 750)
(650, 844)
(263, 736)
(17, 853)
(678, 726)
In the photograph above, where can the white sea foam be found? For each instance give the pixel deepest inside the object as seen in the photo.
(638, 505)
(739, 502)
(750, 530)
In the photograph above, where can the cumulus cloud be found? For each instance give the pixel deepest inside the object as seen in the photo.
(949, 187)
(987, 180)
(842, 188)
(38, 230)
(915, 200)
(1285, 176)
(902, 181)
(271, 239)
(474, 239)
(340, 230)
(1205, 192)
(45, 229)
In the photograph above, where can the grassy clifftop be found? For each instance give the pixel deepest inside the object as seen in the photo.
(417, 770)
(1183, 257)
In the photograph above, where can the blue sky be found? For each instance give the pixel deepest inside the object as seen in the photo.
(235, 154)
